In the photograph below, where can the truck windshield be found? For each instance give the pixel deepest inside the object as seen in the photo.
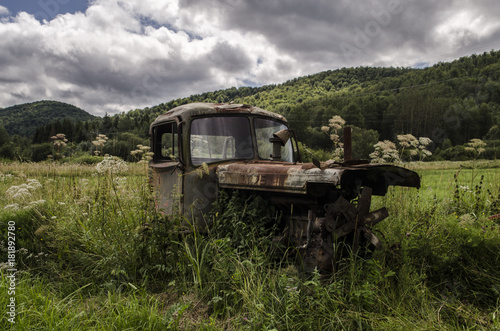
(264, 129)
(220, 138)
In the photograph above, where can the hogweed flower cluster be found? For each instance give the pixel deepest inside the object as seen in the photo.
(99, 143)
(334, 124)
(20, 195)
(476, 146)
(416, 147)
(111, 165)
(59, 141)
(385, 151)
(142, 153)
(407, 140)
(33, 184)
(23, 192)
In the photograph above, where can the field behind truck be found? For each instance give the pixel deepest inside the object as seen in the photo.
(92, 254)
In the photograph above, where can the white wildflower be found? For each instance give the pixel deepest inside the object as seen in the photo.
(37, 202)
(476, 146)
(336, 122)
(385, 151)
(405, 140)
(12, 207)
(465, 188)
(18, 193)
(135, 152)
(111, 164)
(120, 181)
(142, 153)
(33, 184)
(99, 143)
(334, 137)
(414, 146)
(424, 141)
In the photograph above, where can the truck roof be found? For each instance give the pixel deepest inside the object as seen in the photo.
(185, 112)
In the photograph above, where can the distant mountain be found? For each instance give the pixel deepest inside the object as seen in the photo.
(24, 119)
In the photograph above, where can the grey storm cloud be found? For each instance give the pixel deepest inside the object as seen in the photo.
(231, 59)
(352, 32)
(121, 55)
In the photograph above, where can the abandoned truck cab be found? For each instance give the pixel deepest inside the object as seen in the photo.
(202, 148)
(190, 142)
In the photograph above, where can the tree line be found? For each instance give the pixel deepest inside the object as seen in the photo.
(450, 103)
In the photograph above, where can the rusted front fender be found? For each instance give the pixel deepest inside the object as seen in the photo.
(296, 178)
(379, 177)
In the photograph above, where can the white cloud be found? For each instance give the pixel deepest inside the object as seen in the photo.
(465, 28)
(121, 55)
(4, 10)
(109, 60)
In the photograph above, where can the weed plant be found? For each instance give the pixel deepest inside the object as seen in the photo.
(93, 254)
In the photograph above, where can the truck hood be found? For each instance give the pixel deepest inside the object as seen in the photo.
(294, 178)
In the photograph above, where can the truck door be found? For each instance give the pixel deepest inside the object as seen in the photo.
(167, 169)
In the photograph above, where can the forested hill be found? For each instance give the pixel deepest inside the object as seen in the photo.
(459, 100)
(449, 103)
(24, 119)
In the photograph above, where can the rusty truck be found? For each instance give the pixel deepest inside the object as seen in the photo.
(200, 149)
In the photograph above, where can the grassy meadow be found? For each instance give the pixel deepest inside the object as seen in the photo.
(92, 254)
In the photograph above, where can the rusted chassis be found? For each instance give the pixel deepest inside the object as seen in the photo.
(324, 213)
(330, 203)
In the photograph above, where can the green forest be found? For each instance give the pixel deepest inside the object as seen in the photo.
(450, 103)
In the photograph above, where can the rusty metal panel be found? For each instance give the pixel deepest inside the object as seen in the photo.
(186, 112)
(167, 184)
(200, 192)
(277, 177)
(294, 178)
(379, 177)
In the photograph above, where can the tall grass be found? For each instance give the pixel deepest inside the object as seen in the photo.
(93, 254)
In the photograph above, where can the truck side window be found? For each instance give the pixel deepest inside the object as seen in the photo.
(264, 129)
(166, 146)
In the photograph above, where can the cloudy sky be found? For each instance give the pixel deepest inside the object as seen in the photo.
(116, 55)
